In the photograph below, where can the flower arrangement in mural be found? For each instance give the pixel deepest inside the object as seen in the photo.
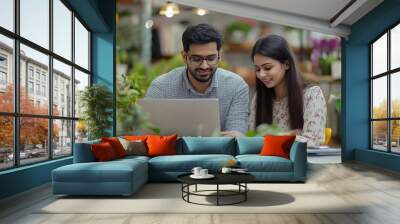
(325, 52)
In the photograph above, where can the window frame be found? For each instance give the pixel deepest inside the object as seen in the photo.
(16, 114)
(388, 74)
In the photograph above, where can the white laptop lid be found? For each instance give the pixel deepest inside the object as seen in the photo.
(185, 117)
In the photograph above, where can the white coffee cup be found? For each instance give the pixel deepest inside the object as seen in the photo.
(226, 170)
(203, 172)
(196, 170)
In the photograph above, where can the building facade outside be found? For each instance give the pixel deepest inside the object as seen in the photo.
(34, 82)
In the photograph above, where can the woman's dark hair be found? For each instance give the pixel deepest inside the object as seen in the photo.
(276, 47)
(200, 34)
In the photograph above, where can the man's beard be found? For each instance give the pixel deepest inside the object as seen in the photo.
(202, 77)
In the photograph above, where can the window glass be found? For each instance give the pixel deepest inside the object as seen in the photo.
(81, 82)
(395, 47)
(81, 45)
(379, 98)
(81, 131)
(379, 135)
(6, 74)
(62, 91)
(379, 56)
(395, 136)
(6, 142)
(395, 95)
(34, 21)
(62, 29)
(62, 138)
(33, 140)
(7, 14)
(39, 61)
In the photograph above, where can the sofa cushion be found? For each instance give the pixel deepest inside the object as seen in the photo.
(185, 163)
(249, 145)
(207, 145)
(112, 171)
(83, 152)
(257, 163)
(132, 158)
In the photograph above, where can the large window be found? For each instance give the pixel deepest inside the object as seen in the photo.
(44, 64)
(385, 91)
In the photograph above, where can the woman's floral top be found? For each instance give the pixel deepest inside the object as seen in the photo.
(314, 116)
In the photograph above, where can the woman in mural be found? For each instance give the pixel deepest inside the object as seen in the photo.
(281, 97)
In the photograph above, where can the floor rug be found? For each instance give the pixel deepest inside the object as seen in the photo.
(167, 198)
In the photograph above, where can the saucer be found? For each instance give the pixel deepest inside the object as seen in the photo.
(208, 176)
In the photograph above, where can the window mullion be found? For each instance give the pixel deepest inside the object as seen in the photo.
(16, 70)
(389, 106)
(73, 82)
(50, 81)
(371, 89)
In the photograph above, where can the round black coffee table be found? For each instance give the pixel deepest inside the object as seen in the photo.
(238, 179)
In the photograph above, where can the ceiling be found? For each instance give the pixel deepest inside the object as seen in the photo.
(327, 16)
(321, 9)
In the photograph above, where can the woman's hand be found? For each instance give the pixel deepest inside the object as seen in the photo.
(232, 133)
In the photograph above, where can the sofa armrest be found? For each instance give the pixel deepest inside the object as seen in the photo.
(83, 152)
(298, 155)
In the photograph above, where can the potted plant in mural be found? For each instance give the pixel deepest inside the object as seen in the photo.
(96, 102)
(130, 88)
(336, 99)
(325, 55)
(133, 86)
(130, 117)
(238, 32)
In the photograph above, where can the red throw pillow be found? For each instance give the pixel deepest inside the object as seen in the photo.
(277, 145)
(116, 145)
(103, 151)
(161, 145)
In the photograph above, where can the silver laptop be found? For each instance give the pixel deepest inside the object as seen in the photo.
(185, 117)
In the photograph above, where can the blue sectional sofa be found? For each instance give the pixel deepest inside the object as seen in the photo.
(125, 176)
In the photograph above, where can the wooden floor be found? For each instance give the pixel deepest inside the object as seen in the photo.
(377, 188)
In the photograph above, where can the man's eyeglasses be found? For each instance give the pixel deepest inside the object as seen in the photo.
(197, 60)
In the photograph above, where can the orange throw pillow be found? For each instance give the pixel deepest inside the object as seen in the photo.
(161, 145)
(103, 151)
(116, 145)
(278, 145)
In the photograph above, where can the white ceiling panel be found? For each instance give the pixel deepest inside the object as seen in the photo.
(321, 9)
(315, 15)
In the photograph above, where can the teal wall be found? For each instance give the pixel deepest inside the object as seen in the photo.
(355, 88)
(24, 178)
(103, 53)
(99, 16)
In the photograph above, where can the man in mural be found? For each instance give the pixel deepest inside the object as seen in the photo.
(201, 78)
